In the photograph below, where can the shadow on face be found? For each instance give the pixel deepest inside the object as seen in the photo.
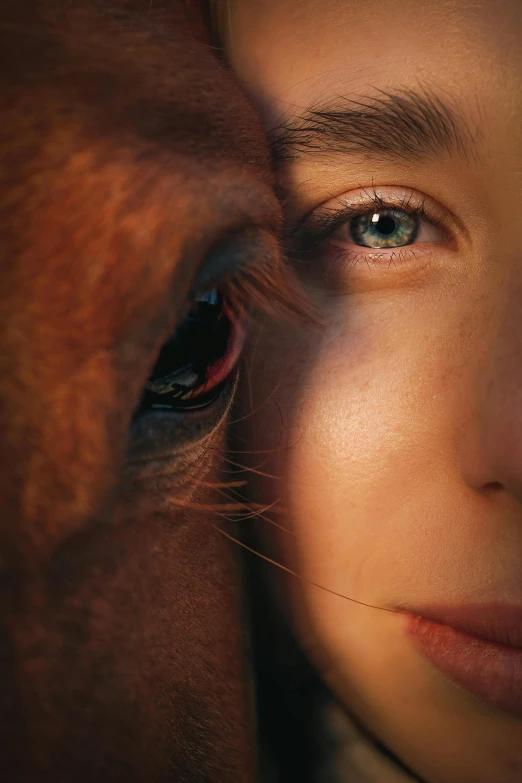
(390, 442)
(136, 212)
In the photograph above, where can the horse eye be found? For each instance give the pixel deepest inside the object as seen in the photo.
(194, 365)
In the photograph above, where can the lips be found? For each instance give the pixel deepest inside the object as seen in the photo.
(478, 647)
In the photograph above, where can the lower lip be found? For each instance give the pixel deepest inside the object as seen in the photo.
(491, 672)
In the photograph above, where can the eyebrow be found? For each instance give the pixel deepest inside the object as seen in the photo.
(408, 125)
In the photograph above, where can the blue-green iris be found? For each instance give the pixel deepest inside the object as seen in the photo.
(386, 228)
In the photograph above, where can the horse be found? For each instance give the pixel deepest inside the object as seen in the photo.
(139, 227)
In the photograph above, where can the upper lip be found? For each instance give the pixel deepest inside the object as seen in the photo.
(494, 622)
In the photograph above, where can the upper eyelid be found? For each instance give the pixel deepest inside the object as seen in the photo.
(316, 226)
(413, 201)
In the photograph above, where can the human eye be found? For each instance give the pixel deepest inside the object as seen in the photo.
(384, 228)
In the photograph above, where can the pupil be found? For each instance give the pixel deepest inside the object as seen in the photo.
(385, 225)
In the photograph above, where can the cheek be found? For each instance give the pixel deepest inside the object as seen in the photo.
(353, 424)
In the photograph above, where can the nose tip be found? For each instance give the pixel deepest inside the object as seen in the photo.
(491, 445)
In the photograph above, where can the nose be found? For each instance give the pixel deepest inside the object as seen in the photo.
(491, 446)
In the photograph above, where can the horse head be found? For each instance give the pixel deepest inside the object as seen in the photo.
(137, 219)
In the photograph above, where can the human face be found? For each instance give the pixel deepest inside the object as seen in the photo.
(394, 433)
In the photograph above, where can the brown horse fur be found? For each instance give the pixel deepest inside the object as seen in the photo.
(127, 153)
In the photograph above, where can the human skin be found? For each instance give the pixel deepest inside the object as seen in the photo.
(394, 433)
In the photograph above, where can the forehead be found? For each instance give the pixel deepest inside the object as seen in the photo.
(295, 54)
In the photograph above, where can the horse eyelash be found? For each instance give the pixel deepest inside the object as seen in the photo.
(269, 287)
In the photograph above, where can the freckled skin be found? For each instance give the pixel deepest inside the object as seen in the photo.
(394, 433)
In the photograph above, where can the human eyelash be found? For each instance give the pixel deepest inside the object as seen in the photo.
(312, 230)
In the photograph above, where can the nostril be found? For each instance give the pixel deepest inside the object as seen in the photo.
(493, 486)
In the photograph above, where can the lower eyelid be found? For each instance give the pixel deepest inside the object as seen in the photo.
(337, 269)
(374, 255)
(342, 262)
